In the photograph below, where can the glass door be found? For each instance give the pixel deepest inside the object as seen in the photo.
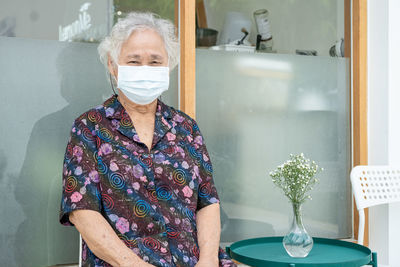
(255, 105)
(50, 74)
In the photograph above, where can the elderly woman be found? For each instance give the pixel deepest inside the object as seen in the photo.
(137, 178)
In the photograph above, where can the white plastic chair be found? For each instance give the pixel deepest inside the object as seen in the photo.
(374, 185)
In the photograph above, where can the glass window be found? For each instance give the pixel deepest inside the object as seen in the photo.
(255, 107)
(71, 20)
(50, 74)
(164, 8)
(312, 26)
(77, 20)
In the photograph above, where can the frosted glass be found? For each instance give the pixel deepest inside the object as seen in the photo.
(77, 20)
(64, 20)
(256, 109)
(44, 85)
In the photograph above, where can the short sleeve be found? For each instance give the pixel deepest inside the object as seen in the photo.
(207, 192)
(80, 176)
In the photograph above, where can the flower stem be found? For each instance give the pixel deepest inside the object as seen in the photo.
(297, 214)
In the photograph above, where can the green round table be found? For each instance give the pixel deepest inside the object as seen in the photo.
(269, 251)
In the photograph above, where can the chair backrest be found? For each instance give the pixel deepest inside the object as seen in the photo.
(375, 185)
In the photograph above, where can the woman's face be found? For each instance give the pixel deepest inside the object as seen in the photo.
(143, 47)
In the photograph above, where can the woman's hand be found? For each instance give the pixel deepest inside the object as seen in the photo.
(207, 262)
(103, 241)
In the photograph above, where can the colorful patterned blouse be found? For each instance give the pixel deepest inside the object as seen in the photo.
(149, 198)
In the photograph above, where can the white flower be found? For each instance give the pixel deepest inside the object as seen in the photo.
(295, 177)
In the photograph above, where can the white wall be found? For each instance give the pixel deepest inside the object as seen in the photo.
(383, 113)
(394, 124)
(378, 114)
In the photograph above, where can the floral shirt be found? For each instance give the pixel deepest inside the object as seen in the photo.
(150, 198)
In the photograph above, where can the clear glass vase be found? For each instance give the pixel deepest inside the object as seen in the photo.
(298, 243)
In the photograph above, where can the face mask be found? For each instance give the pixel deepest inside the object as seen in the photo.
(143, 84)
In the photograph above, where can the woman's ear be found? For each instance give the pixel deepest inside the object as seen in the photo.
(112, 67)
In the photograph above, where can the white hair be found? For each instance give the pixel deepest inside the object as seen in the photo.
(111, 45)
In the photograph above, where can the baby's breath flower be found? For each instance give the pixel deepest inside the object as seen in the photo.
(296, 177)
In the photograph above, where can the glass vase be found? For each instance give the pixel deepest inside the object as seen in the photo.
(298, 243)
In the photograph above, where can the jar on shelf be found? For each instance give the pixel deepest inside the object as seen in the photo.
(264, 40)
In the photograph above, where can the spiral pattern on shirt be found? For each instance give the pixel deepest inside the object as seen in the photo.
(105, 134)
(128, 242)
(172, 233)
(189, 213)
(108, 202)
(179, 176)
(153, 196)
(151, 243)
(70, 184)
(208, 167)
(194, 154)
(125, 121)
(98, 141)
(187, 127)
(95, 156)
(94, 116)
(205, 190)
(69, 153)
(117, 180)
(195, 127)
(146, 161)
(164, 192)
(195, 251)
(101, 166)
(87, 135)
(141, 208)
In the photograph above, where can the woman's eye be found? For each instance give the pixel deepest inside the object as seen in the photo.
(155, 62)
(133, 62)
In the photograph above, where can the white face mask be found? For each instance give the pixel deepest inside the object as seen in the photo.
(143, 84)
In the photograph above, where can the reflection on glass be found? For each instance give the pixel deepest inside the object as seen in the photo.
(256, 109)
(41, 97)
(164, 8)
(44, 94)
(311, 25)
(91, 23)
(72, 21)
(63, 20)
(47, 84)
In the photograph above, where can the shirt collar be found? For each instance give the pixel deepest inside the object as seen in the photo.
(115, 110)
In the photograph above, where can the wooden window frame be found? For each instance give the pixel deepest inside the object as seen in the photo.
(360, 93)
(355, 50)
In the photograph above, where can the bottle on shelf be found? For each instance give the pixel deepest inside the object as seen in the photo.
(264, 37)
